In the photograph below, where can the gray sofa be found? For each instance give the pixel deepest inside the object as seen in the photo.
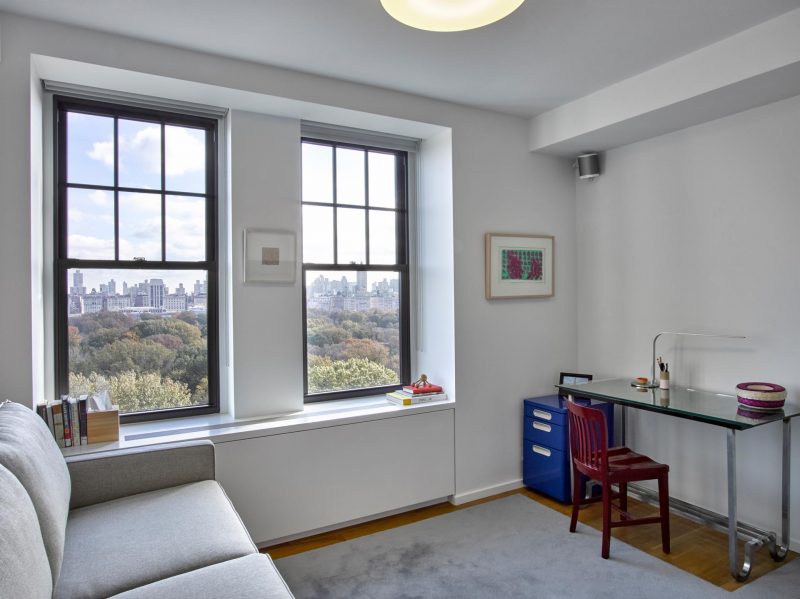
(132, 524)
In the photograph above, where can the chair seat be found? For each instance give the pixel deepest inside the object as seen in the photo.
(627, 465)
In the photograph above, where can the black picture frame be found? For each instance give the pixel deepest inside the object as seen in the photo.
(573, 375)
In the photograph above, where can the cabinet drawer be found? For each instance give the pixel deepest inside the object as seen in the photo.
(546, 433)
(545, 415)
(545, 470)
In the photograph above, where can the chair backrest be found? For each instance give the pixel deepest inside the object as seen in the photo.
(588, 440)
(29, 452)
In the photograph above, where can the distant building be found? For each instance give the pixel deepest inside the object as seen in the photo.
(117, 303)
(77, 284)
(75, 305)
(175, 302)
(92, 302)
(157, 293)
(384, 302)
(357, 303)
(141, 299)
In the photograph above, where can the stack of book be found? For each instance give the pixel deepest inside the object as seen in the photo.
(67, 420)
(410, 395)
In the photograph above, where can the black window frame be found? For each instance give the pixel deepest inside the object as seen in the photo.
(63, 263)
(401, 264)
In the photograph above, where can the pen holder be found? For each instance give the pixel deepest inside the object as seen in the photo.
(663, 381)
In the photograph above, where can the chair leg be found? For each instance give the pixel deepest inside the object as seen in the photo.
(576, 498)
(606, 520)
(623, 498)
(663, 505)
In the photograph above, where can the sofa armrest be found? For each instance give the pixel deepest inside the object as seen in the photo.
(110, 475)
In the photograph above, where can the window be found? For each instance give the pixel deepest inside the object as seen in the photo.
(136, 258)
(355, 269)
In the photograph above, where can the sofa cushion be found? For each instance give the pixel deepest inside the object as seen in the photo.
(253, 577)
(118, 545)
(28, 450)
(24, 567)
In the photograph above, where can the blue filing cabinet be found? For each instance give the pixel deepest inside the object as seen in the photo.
(546, 463)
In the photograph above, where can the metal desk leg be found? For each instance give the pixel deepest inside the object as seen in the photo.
(778, 552)
(733, 521)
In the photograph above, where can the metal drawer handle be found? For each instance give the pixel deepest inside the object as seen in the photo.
(542, 415)
(541, 450)
(541, 426)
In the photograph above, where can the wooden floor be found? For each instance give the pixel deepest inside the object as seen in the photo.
(696, 549)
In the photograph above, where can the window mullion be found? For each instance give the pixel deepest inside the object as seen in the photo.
(335, 210)
(116, 188)
(163, 193)
(366, 204)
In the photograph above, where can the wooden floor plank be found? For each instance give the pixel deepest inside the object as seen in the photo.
(695, 548)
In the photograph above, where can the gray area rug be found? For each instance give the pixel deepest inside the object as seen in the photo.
(512, 547)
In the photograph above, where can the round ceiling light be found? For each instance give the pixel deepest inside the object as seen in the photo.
(449, 15)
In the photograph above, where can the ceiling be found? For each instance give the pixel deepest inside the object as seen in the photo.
(546, 53)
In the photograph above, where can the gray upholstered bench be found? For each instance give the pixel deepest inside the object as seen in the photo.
(134, 524)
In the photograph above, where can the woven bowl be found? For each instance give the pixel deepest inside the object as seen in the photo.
(761, 396)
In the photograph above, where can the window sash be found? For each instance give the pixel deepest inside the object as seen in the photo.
(400, 265)
(63, 263)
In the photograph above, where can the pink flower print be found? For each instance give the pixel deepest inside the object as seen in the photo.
(535, 273)
(514, 266)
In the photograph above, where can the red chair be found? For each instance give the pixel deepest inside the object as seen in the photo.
(617, 465)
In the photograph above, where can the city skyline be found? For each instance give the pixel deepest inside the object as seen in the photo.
(147, 295)
(330, 282)
(94, 277)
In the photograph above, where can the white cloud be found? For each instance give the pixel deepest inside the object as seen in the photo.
(145, 146)
(185, 150)
(92, 218)
(85, 246)
(99, 198)
(141, 248)
(104, 152)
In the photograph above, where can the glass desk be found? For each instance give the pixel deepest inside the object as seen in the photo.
(719, 410)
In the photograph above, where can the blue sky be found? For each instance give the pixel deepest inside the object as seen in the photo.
(90, 160)
(350, 189)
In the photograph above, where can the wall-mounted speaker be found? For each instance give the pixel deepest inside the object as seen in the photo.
(588, 165)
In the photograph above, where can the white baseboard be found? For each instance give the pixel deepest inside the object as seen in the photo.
(316, 531)
(461, 498)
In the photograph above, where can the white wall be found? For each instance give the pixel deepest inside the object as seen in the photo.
(504, 350)
(697, 231)
(434, 291)
(268, 347)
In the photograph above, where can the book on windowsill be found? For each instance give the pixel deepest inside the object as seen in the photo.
(403, 399)
(423, 390)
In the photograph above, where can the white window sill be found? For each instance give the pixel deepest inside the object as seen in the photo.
(222, 428)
